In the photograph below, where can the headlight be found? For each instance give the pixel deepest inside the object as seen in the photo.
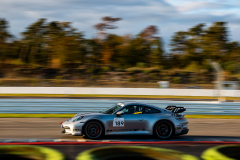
(78, 119)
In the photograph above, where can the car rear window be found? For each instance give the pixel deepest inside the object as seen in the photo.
(149, 110)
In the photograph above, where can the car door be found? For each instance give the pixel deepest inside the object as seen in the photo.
(130, 122)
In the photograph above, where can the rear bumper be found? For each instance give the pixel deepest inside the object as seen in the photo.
(184, 131)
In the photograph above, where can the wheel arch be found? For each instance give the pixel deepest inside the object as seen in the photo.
(90, 120)
(173, 126)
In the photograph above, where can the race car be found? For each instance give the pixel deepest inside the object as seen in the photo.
(129, 118)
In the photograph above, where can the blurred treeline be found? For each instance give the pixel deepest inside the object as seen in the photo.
(57, 46)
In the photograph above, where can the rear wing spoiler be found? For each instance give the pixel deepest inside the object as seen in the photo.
(175, 109)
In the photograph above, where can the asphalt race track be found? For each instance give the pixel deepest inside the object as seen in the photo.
(46, 132)
(48, 129)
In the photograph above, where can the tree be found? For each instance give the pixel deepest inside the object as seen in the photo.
(179, 43)
(33, 41)
(66, 45)
(152, 45)
(231, 61)
(156, 53)
(199, 43)
(149, 33)
(215, 41)
(106, 51)
(111, 48)
(108, 23)
(5, 37)
(4, 34)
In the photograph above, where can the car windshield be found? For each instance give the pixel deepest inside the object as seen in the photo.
(112, 109)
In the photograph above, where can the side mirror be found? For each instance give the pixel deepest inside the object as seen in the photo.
(119, 113)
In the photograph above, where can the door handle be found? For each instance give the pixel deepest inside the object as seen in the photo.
(140, 119)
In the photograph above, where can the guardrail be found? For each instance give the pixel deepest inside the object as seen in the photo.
(96, 105)
(119, 91)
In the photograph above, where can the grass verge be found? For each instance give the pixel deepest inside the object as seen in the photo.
(19, 115)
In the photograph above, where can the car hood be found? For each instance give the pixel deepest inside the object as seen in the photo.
(87, 113)
(81, 114)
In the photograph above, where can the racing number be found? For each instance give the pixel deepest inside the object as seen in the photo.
(118, 122)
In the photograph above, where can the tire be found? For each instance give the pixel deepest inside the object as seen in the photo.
(163, 129)
(93, 130)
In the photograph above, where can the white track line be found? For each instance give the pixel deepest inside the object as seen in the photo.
(81, 140)
(7, 140)
(106, 140)
(32, 140)
(57, 140)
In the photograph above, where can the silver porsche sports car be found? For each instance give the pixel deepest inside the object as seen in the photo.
(129, 118)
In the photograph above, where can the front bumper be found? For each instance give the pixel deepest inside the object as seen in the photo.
(74, 129)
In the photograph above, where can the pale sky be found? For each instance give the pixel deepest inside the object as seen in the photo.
(168, 15)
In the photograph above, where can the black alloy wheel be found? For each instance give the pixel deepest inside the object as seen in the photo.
(163, 129)
(93, 130)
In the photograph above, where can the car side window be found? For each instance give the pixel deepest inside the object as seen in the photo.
(138, 109)
(149, 110)
(133, 109)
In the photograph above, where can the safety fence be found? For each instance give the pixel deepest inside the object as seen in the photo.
(96, 105)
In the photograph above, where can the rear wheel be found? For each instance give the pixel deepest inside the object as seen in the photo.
(93, 130)
(163, 129)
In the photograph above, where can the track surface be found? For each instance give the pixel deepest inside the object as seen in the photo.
(49, 128)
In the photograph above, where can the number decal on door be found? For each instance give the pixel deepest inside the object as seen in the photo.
(118, 122)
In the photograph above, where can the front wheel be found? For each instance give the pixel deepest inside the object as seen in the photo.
(93, 130)
(163, 130)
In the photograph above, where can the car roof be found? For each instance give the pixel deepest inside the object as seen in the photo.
(137, 103)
